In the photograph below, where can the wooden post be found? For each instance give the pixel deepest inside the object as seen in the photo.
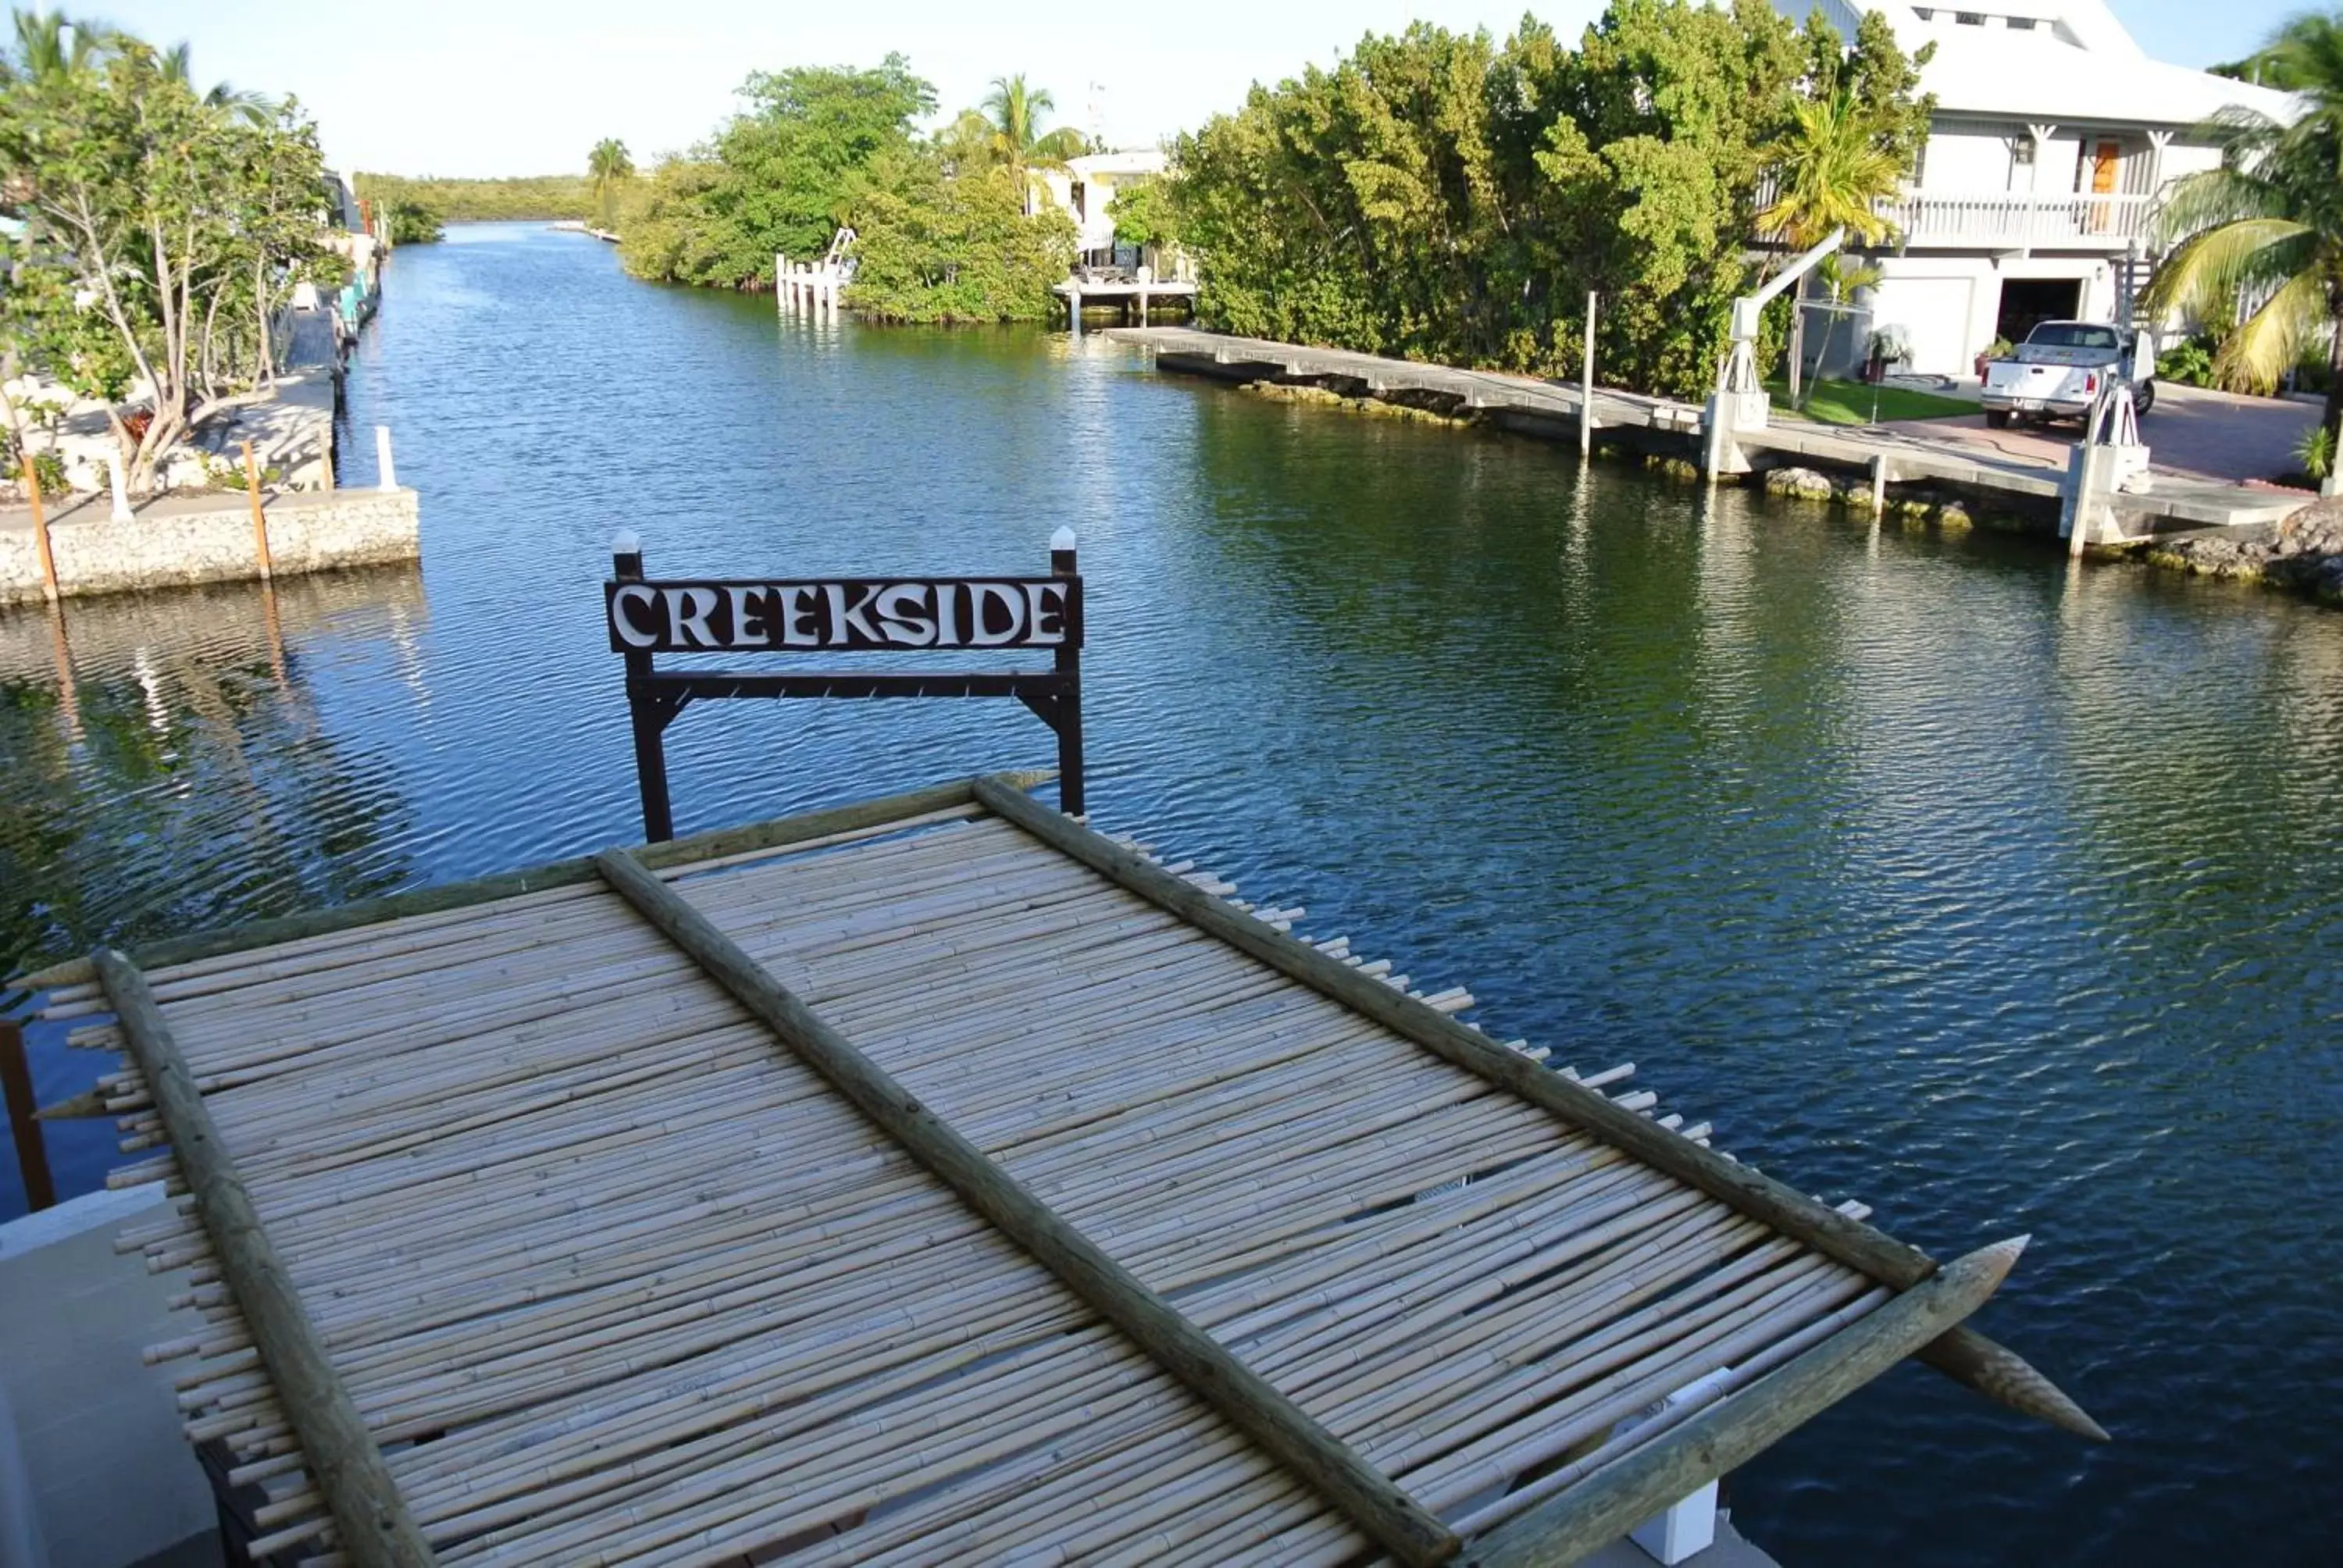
(386, 473)
(643, 715)
(780, 284)
(1586, 386)
(260, 518)
(369, 1516)
(1069, 666)
(41, 531)
(1623, 1493)
(119, 482)
(24, 1126)
(1370, 1499)
(1993, 1370)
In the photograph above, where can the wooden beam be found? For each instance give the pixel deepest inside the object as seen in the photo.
(768, 835)
(1993, 1370)
(1370, 1499)
(370, 1518)
(23, 1119)
(1640, 1483)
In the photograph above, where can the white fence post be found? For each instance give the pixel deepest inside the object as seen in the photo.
(389, 475)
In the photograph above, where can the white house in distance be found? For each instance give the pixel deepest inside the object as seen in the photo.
(1085, 186)
(2053, 136)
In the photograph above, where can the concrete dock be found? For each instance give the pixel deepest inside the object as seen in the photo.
(2176, 506)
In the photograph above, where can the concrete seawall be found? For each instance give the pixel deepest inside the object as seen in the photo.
(177, 540)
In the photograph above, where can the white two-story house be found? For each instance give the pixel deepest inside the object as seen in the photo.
(2053, 136)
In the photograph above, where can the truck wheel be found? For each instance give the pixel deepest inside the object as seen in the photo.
(1996, 418)
(2143, 397)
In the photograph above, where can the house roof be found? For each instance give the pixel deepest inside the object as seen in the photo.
(2058, 61)
(1128, 161)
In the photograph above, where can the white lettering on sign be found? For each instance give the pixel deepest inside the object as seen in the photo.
(626, 623)
(855, 615)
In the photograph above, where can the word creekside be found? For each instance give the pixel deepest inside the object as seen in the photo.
(853, 614)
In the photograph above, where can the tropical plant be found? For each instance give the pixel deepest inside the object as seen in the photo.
(49, 45)
(960, 249)
(1015, 112)
(2262, 235)
(607, 168)
(2186, 364)
(1842, 277)
(1449, 197)
(1831, 173)
(414, 223)
(255, 108)
(781, 176)
(2316, 451)
(1143, 214)
(161, 235)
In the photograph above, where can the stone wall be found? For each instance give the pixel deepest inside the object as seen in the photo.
(172, 542)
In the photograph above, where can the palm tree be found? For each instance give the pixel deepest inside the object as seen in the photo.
(1830, 171)
(257, 108)
(50, 44)
(609, 166)
(1016, 112)
(2261, 238)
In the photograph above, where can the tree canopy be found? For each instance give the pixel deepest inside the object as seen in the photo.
(164, 227)
(1444, 196)
(2261, 238)
(942, 232)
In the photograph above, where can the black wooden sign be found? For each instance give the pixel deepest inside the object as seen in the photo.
(870, 614)
(842, 614)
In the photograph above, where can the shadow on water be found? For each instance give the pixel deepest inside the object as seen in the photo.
(2002, 898)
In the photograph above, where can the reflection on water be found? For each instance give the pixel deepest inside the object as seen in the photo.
(2004, 899)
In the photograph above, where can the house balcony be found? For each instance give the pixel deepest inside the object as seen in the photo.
(2020, 220)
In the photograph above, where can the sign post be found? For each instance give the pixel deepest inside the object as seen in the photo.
(842, 614)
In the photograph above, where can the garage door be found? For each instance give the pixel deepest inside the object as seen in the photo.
(1933, 313)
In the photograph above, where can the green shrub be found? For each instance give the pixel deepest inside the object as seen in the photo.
(2188, 364)
(2316, 450)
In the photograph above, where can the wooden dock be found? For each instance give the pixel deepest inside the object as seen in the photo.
(938, 1181)
(2176, 506)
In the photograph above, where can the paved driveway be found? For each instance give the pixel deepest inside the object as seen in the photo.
(2192, 430)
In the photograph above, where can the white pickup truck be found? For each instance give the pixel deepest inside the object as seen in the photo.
(2058, 370)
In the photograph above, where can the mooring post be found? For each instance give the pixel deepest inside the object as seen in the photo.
(1069, 675)
(387, 477)
(1878, 486)
(259, 517)
(119, 482)
(23, 1125)
(780, 284)
(40, 531)
(1586, 386)
(642, 709)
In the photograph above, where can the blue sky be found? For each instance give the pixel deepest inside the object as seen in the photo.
(525, 86)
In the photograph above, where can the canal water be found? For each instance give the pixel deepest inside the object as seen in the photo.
(2004, 899)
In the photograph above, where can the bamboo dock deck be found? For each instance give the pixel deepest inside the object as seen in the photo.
(938, 1180)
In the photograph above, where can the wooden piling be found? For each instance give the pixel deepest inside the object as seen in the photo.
(41, 530)
(24, 1123)
(370, 1517)
(259, 518)
(1587, 385)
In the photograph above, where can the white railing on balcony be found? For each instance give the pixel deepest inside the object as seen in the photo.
(2085, 220)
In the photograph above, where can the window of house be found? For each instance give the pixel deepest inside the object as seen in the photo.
(2021, 23)
(1924, 13)
(1969, 18)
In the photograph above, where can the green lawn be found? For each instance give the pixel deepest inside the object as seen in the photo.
(1850, 403)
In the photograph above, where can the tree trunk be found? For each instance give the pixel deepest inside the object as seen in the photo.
(2332, 416)
(1797, 341)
